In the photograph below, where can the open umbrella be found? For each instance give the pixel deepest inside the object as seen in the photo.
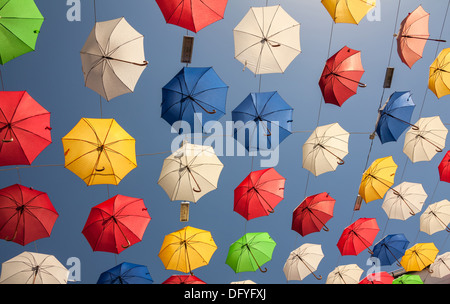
(113, 58)
(24, 128)
(348, 11)
(345, 274)
(325, 149)
(116, 224)
(303, 261)
(423, 143)
(259, 193)
(358, 236)
(250, 252)
(187, 249)
(190, 172)
(441, 265)
(436, 217)
(26, 214)
(267, 40)
(404, 200)
(192, 15)
(183, 279)
(419, 256)
(444, 168)
(21, 22)
(381, 277)
(126, 273)
(313, 213)
(341, 76)
(194, 94)
(99, 151)
(439, 78)
(408, 279)
(390, 249)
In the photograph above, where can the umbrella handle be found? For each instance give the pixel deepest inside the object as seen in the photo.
(325, 228)
(127, 245)
(265, 269)
(438, 149)
(414, 127)
(7, 140)
(209, 112)
(317, 277)
(196, 183)
(99, 170)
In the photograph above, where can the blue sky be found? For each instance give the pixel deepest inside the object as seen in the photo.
(52, 75)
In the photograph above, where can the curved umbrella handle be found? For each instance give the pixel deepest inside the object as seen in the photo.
(7, 140)
(362, 85)
(265, 269)
(196, 183)
(340, 161)
(325, 228)
(317, 277)
(127, 245)
(99, 170)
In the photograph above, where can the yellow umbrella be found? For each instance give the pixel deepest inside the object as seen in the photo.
(377, 179)
(99, 151)
(187, 249)
(348, 11)
(439, 80)
(419, 256)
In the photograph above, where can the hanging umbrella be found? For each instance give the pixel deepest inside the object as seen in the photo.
(419, 257)
(444, 168)
(194, 94)
(404, 200)
(113, 58)
(116, 224)
(436, 217)
(192, 15)
(250, 252)
(358, 236)
(190, 172)
(348, 11)
(441, 265)
(303, 261)
(33, 268)
(345, 274)
(126, 273)
(26, 214)
(313, 213)
(408, 279)
(183, 279)
(99, 151)
(341, 76)
(243, 282)
(395, 116)
(187, 249)
(377, 179)
(439, 78)
(325, 149)
(413, 36)
(390, 249)
(259, 193)
(24, 128)
(21, 22)
(428, 139)
(381, 277)
(265, 115)
(267, 40)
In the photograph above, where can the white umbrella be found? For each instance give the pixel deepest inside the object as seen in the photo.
(113, 58)
(429, 138)
(243, 282)
(345, 274)
(441, 266)
(303, 261)
(436, 217)
(33, 268)
(404, 200)
(267, 40)
(325, 149)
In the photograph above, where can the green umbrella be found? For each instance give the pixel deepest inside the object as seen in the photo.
(20, 22)
(250, 252)
(408, 279)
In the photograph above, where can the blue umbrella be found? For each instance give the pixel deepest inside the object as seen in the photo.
(259, 114)
(395, 116)
(390, 249)
(195, 96)
(126, 273)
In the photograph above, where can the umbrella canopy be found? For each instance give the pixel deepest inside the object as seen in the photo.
(190, 172)
(187, 249)
(358, 236)
(378, 278)
(126, 273)
(325, 149)
(408, 279)
(33, 268)
(348, 11)
(264, 115)
(26, 214)
(194, 95)
(24, 128)
(423, 143)
(436, 217)
(183, 279)
(377, 179)
(267, 40)
(21, 22)
(444, 168)
(404, 200)
(390, 249)
(341, 76)
(250, 252)
(419, 256)
(259, 193)
(439, 78)
(313, 213)
(99, 151)
(192, 15)
(113, 58)
(441, 265)
(116, 224)
(345, 274)
(303, 261)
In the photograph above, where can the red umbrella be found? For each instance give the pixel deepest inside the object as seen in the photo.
(312, 214)
(26, 214)
(24, 128)
(259, 193)
(116, 224)
(378, 278)
(358, 236)
(341, 76)
(192, 15)
(444, 168)
(183, 279)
